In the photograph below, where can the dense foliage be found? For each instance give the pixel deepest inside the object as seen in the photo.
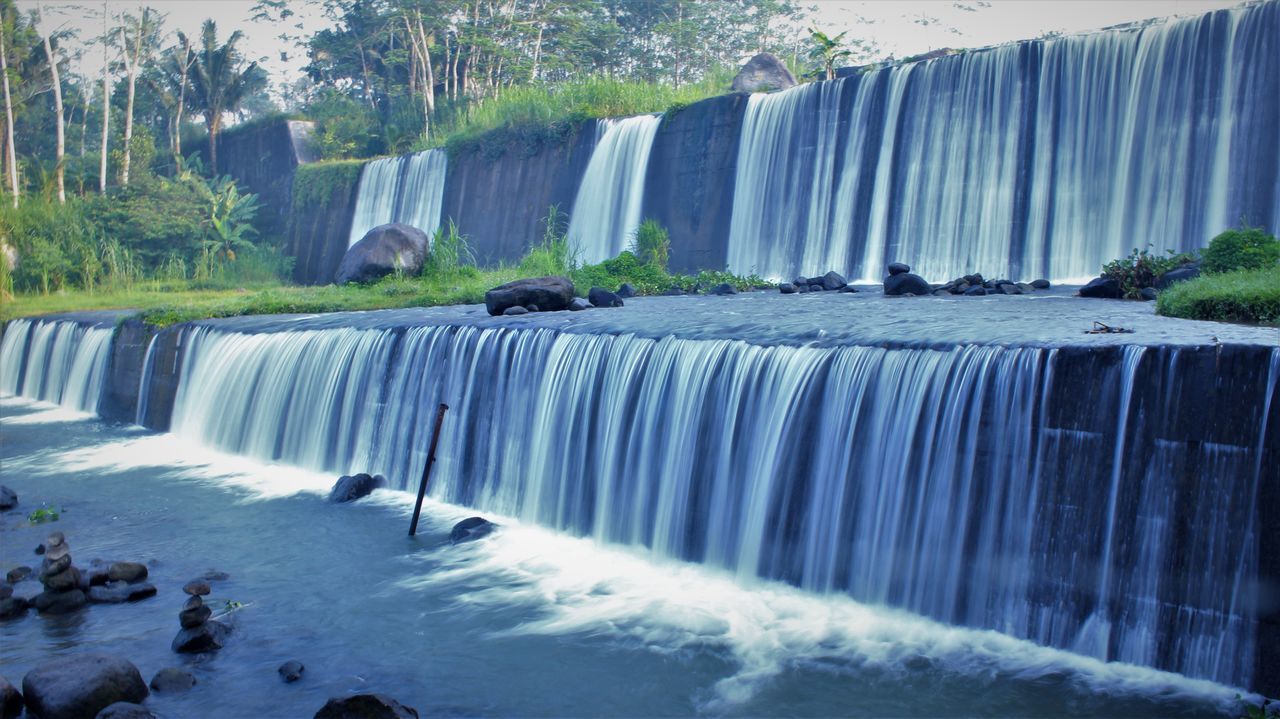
(1239, 296)
(1247, 248)
(1141, 269)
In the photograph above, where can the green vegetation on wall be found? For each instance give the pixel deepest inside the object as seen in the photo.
(315, 183)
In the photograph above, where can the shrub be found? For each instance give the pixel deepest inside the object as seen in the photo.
(1241, 296)
(1141, 269)
(1247, 248)
(651, 244)
(450, 251)
(554, 255)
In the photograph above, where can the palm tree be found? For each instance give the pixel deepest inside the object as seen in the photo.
(218, 85)
(827, 51)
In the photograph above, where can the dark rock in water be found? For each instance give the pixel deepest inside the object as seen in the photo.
(291, 671)
(214, 575)
(1040, 284)
(13, 607)
(515, 311)
(98, 577)
(10, 700)
(194, 617)
(1010, 289)
(197, 588)
(816, 287)
(1181, 274)
(171, 680)
(119, 592)
(763, 73)
(940, 292)
(1102, 287)
(803, 288)
(6, 590)
(787, 288)
(50, 567)
(578, 304)
(471, 528)
(351, 487)
(849, 288)
(600, 297)
(833, 281)
(365, 706)
(8, 498)
(207, 637)
(995, 288)
(898, 268)
(1149, 294)
(61, 602)
(723, 288)
(383, 250)
(127, 572)
(976, 291)
(39, 549)
(533, 308)
(552, 294)
(1025, 287)
(192, 603)
(626, 291)
(19, 574)
(904, 282)
(672, 292)
(81, 685)
(125, 710)
(65, 580)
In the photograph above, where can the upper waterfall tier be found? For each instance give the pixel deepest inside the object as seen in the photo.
(606, 212)
(408, 189)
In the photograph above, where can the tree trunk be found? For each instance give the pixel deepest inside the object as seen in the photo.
(187, 60)
(215, 125)
(106, 107)
(11, 157)
(59, 170)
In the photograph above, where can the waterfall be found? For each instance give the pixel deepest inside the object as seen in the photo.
(1046, 158)
(408, 189)
(59, 361)
(607, 209)
(961, 483)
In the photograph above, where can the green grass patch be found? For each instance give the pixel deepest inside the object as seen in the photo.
(1251, 296)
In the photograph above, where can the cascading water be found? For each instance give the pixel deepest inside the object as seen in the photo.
(955, 482)
(1046, 158)
(408, 189)
(607, 209)
(59, 361)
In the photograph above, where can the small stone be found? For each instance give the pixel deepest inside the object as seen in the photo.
(119, 592)
(1025, 287)
(192, 603)
(13, 607)
(365, 706)
(977, 291)
(849, 289)
(515, 311)
(127, 572)
(67, 579)
(578, 304)
(207, 637)
(57, 552)
(192, 618)
(54, 540)
(197, 588)
(8, 498)
(626, 291)
(214, 575)
(291, 671)
(600, 297)
(39, 549)
(470, 529)
(98, 577)
(672, 292)
(349, 488)
(1040, 284)
(171, 680)
(803, 289)
(898, 268)
(787, 288)
(941, 292)
(19, 574)
(533, 308)
(125, 710)
(59, 602)
(1010, 289)
(51, 566)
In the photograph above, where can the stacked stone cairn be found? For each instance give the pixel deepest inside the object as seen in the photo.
(63, 584)
(198, 633)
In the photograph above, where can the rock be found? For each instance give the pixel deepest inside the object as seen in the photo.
(787, 288)
(1010, 289)
(533, 308)
(8, 498)
(1025, 287)
(81, 685)
(207, 637)
(552, 294)
(50, 567)
(723, 288)
(833, 281)
(940, 292)
(578, 304)
(125, 710)
(1101, 287)
(6, 590)
(898, 268)
(57, 539)
(13, 607)
(194, 617)
(365, 706)
(600, 297)
(976, 291)
(515, 311)
(349, 488)
(1040, 284)
(170, 679)
(1149, 294)
(39, 549)
(291, 671)
(763, 73)
(803, 289)
(383, 250)
(672, 292)
(994, 288)
(98, 577)
(1181, 274)
(19, 574)
(849, 288)
(10, 700)
(67, 579)
(626, 291)
(904, 282)
(127, 572)
(63, 602)
(470, 529)
(214, 575)
(119, 592)
(61, 551)
(197, 588)
(192, 603)
(815, 288)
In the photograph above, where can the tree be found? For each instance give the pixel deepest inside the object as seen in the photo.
(219, 84)
(827, 51)
(138, 36)
(11, 157)
(60, 163)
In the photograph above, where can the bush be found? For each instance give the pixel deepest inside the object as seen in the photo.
(450, 252)
(1141, 269)
(651, 244)
(1247, 248)
(553, 256)
(1241, 296)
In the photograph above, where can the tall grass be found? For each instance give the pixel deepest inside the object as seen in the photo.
(1251, 296)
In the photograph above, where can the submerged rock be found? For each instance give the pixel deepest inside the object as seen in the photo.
(763, 73)
(383, 250)
(13, 607)
(291, 671)
(550, 294)
(723, 288)
(600, 297)
(127, 572)
(78, 686)
(365, 706)
(8, 498)
(515, 311)
(349, 488)
(125, 710)
(471, 528)
(19, 574)
(207, 637)
(119, 592)
(172, 680)
(1101, 287)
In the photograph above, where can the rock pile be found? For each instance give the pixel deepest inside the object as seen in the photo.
(63, 584)
(536, 294)
(198, 633)
(901, 282)
(120, 582)
(830, 282)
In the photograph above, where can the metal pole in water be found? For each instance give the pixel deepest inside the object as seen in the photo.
(426, 468)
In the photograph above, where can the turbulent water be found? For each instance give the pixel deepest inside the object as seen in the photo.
(607, 210)
(55, 361)
(408, 189)
(1046, 158)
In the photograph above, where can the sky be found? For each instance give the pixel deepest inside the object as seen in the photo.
(898, 27)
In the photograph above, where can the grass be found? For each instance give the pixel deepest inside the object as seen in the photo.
(1251, 296)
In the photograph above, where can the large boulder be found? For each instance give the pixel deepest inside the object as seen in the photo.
(1182, 274)
(349, 488)
(833, 281)
(1102, 287)
(904, 283)
(763, 73)
(365, 706)
(383, 250)
(80, 686)
(600, 297)
(550, 294)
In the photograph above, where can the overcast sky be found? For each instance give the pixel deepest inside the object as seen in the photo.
(898, 27)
